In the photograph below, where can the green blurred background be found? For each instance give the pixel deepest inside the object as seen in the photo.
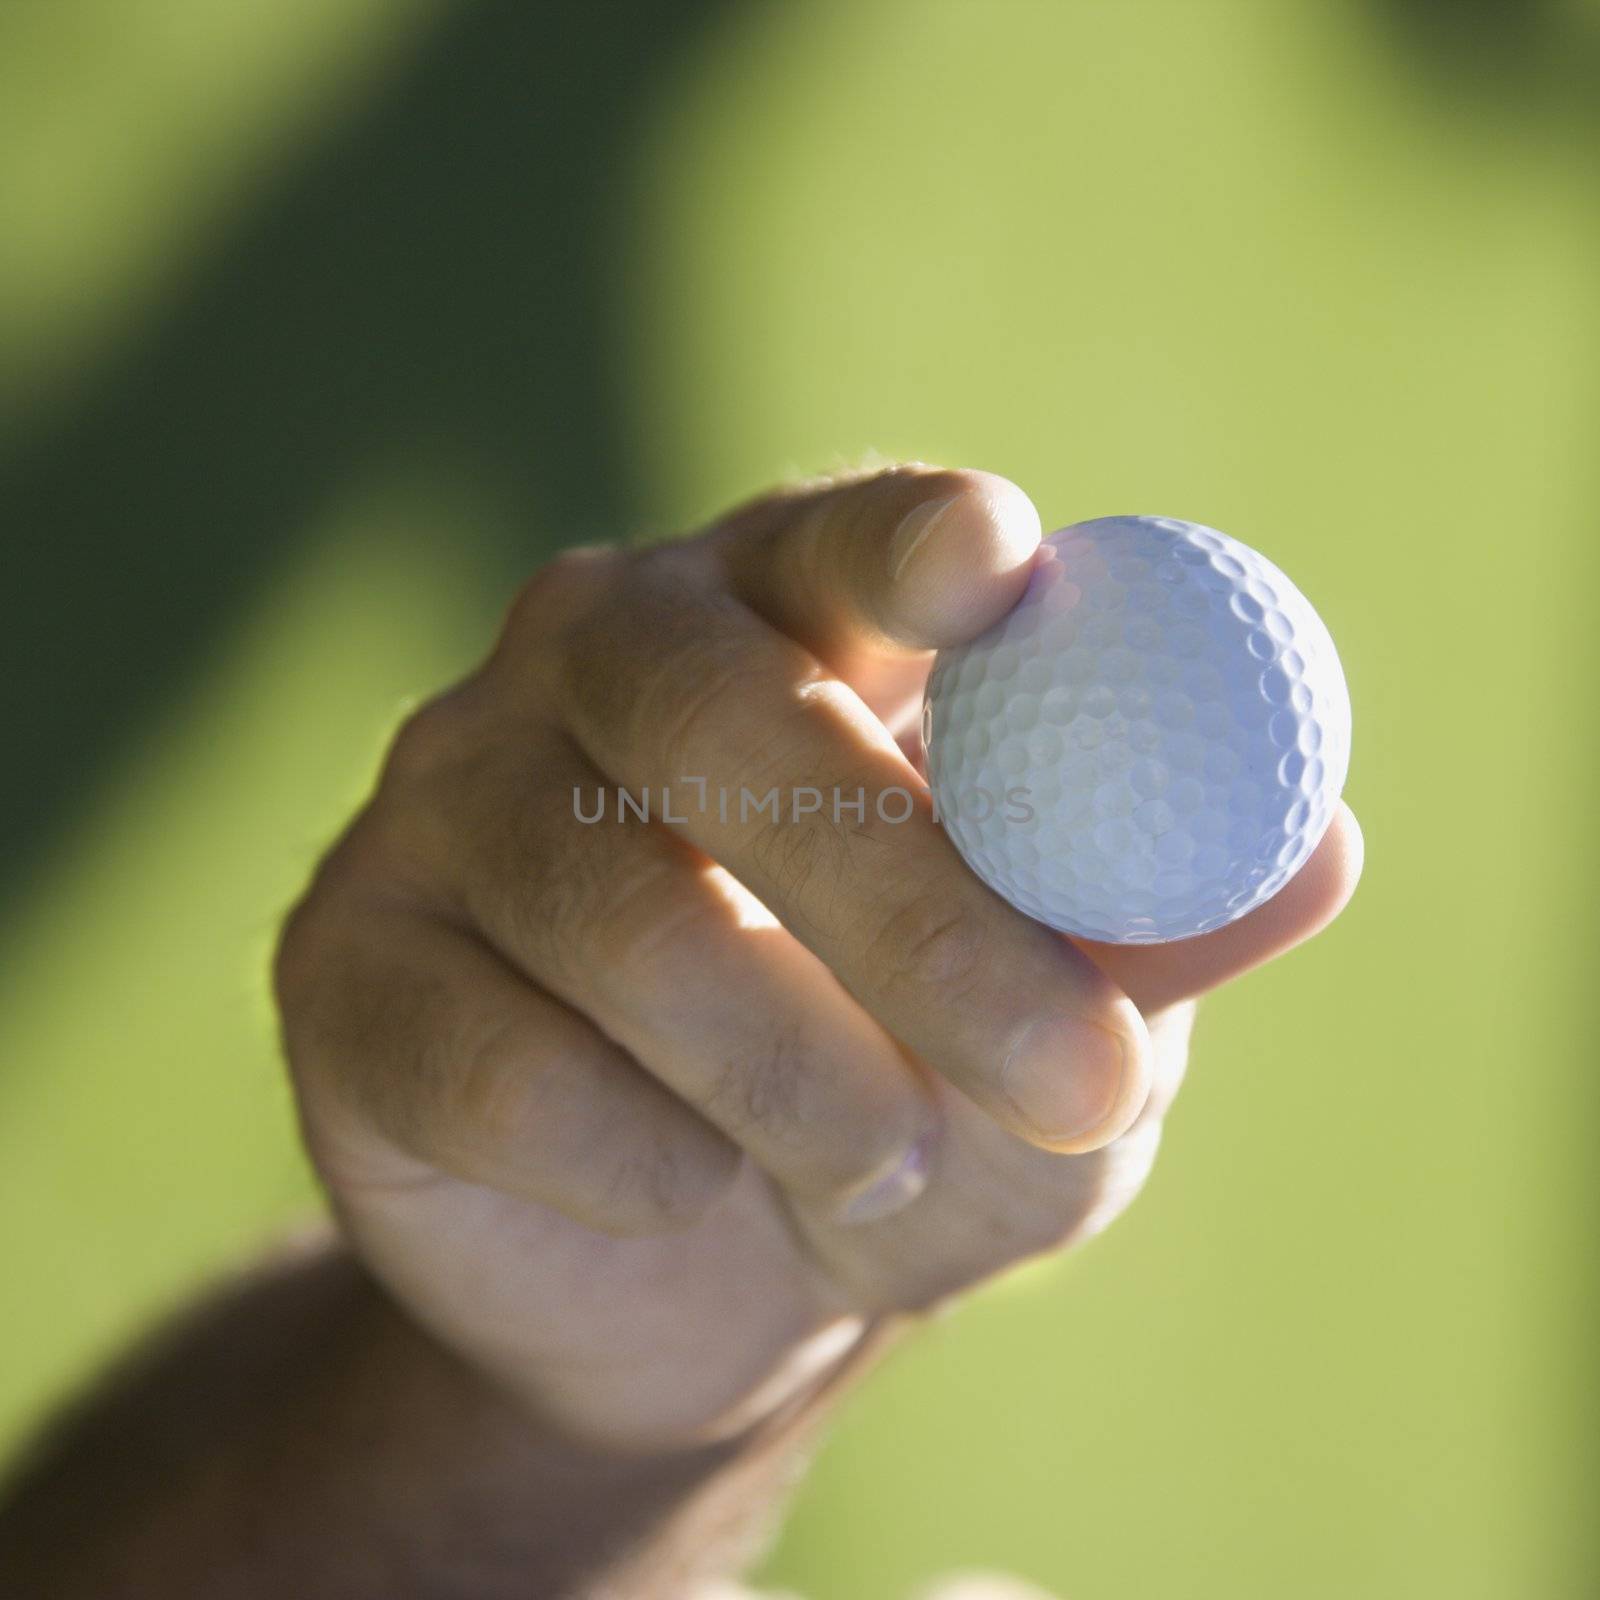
(323, 320)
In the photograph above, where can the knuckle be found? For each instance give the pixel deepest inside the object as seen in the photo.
(651, 671)
(545, 602)
(312, 929)
(311, 990)
(931, 945)
(556, 897)
(472, 1083)
(858, 1162)
(323, 941)
(833, 1127)
(765, 1088)
(432, 737)
(436, 797)
(664, 1186)
(647, 932)
(543, 916)
(689, 701)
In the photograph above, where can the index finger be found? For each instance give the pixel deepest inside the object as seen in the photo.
(661, 673)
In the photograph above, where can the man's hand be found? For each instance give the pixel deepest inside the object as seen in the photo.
(640, 1132)
(651, 1122)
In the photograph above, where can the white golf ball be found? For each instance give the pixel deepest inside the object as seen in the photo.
(1151, 743)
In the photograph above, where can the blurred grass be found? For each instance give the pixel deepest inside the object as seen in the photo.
(1271, 267)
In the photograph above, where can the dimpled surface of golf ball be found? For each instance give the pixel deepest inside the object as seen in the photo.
(1153, 740)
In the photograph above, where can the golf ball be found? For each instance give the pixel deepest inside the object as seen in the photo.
(1153, 740)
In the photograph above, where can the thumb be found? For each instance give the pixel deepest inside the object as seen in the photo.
(904, 561)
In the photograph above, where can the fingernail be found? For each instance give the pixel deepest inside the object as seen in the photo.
(914, 528)
(1065, 1077)
(894, 1191)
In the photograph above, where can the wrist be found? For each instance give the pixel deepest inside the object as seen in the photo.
(649, 1518)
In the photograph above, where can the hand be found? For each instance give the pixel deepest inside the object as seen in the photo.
(652, 1123)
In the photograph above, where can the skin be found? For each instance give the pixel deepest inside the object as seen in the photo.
(647, 1134)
